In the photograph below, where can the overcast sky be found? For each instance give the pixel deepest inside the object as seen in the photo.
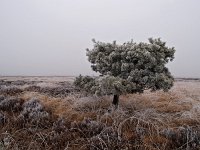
(49, 37)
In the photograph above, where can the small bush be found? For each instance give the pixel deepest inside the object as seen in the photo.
(56, 91)
(12, 91)
(59, 126)
(33, 111)
(11, 104)
(33, 88)
(183, 137)
(89, 127)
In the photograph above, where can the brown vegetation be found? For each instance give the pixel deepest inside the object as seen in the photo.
(152, 121)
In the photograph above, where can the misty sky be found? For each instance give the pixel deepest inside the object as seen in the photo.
(49, 37)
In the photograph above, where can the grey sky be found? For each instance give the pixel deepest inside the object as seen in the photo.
(49, 37)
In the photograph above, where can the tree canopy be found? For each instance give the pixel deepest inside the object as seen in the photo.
(128, 68)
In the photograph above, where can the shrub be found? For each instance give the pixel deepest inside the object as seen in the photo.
(33, 88)
(12, 91)
(34, 111)
(11, 104)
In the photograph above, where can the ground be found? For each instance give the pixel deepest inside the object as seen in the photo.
(49, 113)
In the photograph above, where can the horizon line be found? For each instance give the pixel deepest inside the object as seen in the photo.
(77, 75)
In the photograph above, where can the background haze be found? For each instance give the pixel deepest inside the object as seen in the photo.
(49, 37)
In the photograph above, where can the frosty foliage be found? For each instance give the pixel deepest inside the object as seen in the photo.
(33, 110)
(188, 135)
(128, 68)
(89, 126)
(13, 104)
(87, 83)
(59, 125)
(53, 91)
(12, 91)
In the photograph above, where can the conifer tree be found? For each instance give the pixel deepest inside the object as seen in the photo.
(128, 68)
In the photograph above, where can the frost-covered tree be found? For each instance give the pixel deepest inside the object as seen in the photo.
(128, 68)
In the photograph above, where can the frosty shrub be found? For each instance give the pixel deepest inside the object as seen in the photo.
(128, 68)
(11, 104)
(59, 125)
(12, 91)
(184, 137)
(55, 91)
(19, 82)
(89, 127)
(52, 91)
(87, 83)
(34, 111)
(33, 88)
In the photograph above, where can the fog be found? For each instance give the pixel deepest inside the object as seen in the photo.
(49, 37)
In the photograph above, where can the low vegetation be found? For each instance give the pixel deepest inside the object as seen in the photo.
(33, 119)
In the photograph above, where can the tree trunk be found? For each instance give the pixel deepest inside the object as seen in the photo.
(115, 100)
